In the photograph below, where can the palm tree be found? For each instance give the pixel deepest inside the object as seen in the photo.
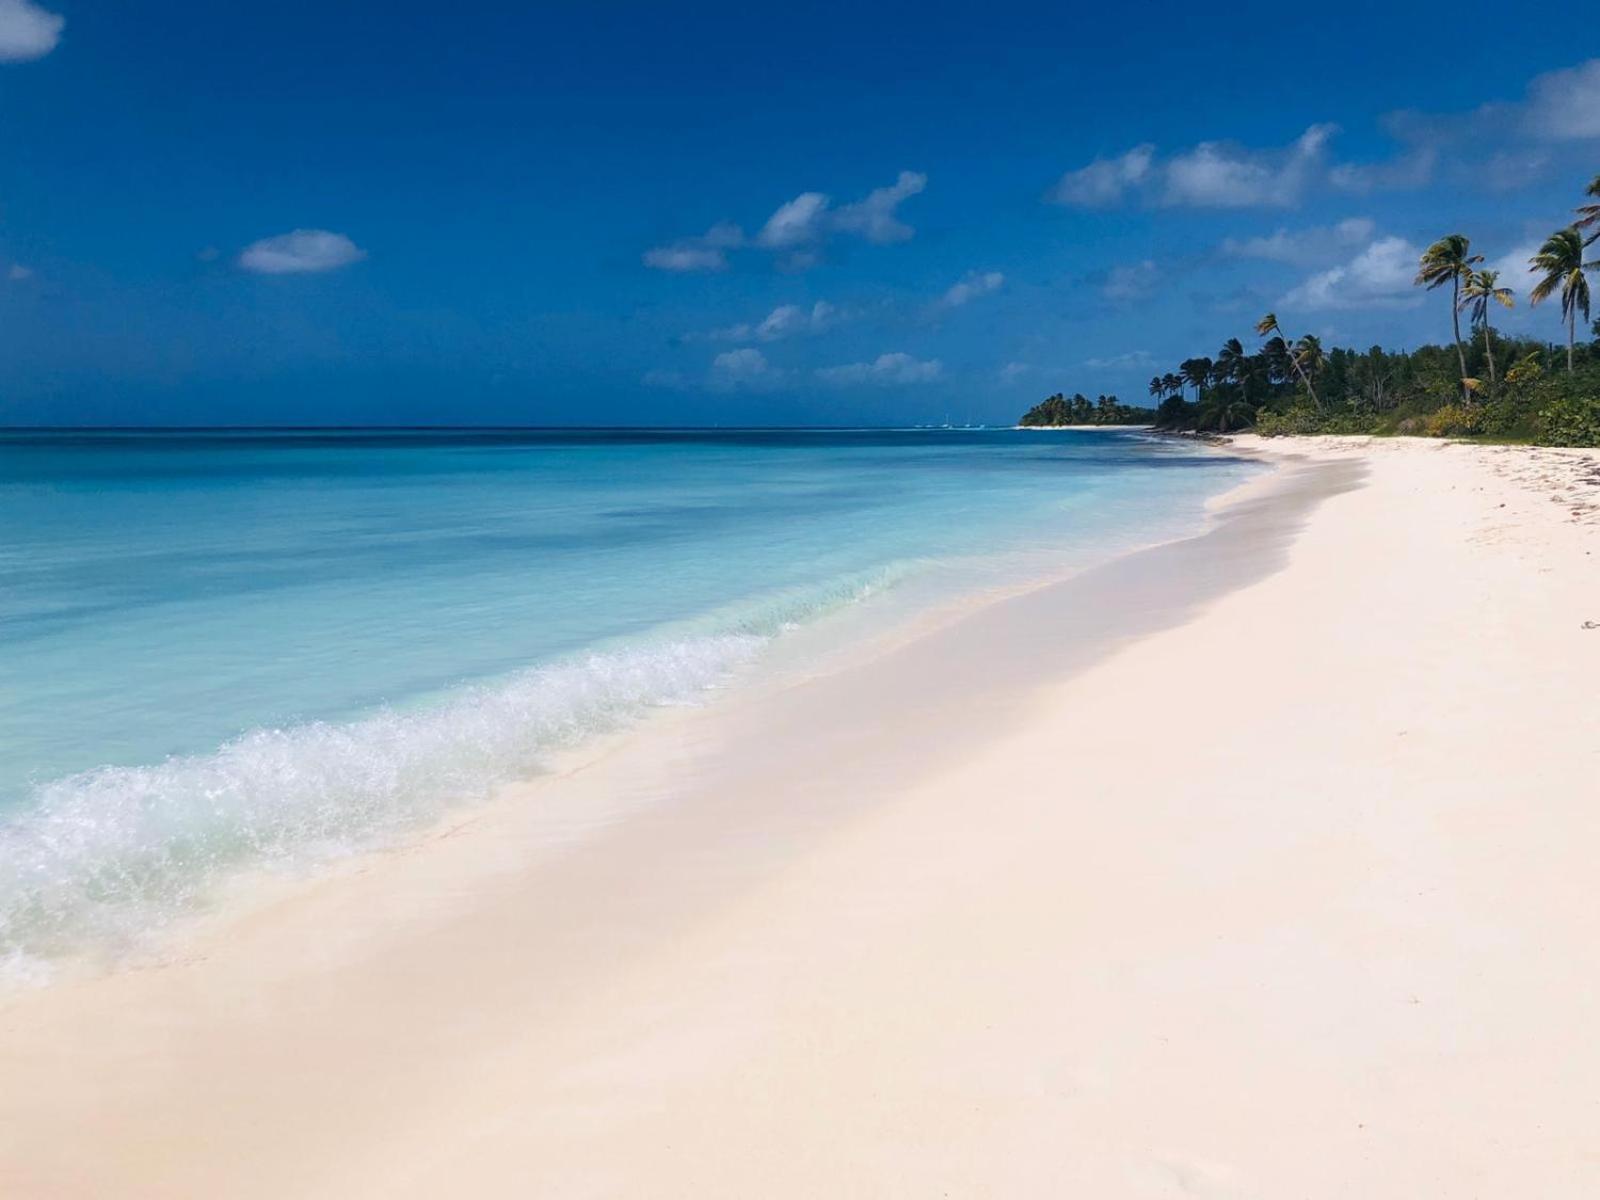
(1158, 388)
(1234, 364)
(1269, 325)
(1173, 383)
(1197, 373)
(1280, 364)
(1482, 287)
(1230, 359)
(1225, 409)
(1589, 214)
(1448, 261)
(1561, 260)
(1308, 355)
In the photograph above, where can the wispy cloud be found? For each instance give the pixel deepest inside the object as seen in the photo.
(302, 252)
(1105, 181)
(1209, 175)
(707, 252)
(1413, 168)
(787, 320)
(1133, 360)
(874, 217)
(1220, 175)
(1302, 247)
(976, 283)
(798, 229)
(1131, 281)
(1515, 270)
(1380, 275)
(1564, 105)
(887, 370)
(17, 273)
(743, 368)
(1499, 145)
(27, 31)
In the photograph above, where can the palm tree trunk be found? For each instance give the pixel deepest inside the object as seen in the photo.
(1572, 321)
(1488, 348)
(1455, 320)
(1311, 391)
(1301, 371)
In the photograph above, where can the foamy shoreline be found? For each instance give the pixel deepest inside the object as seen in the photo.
(1255, 864)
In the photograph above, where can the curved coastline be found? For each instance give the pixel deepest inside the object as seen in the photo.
(1126, 855)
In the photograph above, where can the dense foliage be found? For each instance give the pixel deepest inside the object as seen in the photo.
(1480, 384)
(1534, 397)
(1079, 410)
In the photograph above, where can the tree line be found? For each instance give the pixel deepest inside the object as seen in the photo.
(1080, 410)
(1486, 383)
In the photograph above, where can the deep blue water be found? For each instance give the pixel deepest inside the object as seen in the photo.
(219, 650)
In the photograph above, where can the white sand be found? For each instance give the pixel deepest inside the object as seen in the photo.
(1291, 895)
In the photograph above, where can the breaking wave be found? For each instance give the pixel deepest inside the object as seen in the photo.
(102, 857)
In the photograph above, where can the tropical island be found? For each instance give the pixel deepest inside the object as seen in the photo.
(1059, 410)
(1480, 384)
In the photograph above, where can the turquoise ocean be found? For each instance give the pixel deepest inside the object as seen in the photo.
(228, 651)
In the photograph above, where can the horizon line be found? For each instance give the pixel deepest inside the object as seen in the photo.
(5, 429)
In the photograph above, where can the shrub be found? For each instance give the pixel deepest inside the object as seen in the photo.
(1570, 421)
(1301, 420)
(1295, 422)
(1349, 422)
(1455, 420)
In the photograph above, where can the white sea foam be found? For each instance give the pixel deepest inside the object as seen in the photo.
(102, 858)
(111, 853)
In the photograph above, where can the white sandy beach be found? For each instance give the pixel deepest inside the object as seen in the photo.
(1257, 866)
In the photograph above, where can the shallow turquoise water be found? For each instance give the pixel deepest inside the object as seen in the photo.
(224, 650)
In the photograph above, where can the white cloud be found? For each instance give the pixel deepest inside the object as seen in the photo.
(1210, 175)
(797, 229)
(1132, 360)
(795, 223)
(1305, 246)
(1217, 175)
(810, 217)
(27, 31)
(874, 217)
(1381, 274)
(686, 258)
(977, 283)
(17, 273)
(1014, 371)
(886, 370)
(301, 252)
(746, 367)
(708, 252)
(1131, 282)
(1564, 105)
(1105, 180)
(1412, 169)
(787, 320)
(1515, 271)
(1499, 145)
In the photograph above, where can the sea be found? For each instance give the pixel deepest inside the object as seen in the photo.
(234, 651)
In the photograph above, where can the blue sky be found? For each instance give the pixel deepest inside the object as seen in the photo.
(616, 213)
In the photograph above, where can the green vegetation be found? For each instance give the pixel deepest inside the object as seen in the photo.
(1488, 385)
(1080, 410)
